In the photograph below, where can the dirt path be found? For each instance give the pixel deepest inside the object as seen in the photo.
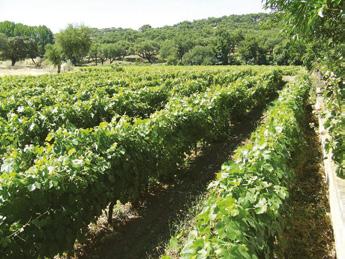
(309, 232)
(142, 233)
(23, 71)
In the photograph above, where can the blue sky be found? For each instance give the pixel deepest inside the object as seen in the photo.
(56, 14)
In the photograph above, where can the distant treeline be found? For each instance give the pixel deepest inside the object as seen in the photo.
(236, 39)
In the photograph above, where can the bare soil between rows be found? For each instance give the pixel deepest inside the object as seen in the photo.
(141, 231)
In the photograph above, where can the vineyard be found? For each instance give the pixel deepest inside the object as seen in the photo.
(74, 144)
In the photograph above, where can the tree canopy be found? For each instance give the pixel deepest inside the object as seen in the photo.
(199, 55)
(320, 25)
(75, 43)
(54, 55)
(147, 50)
(317, 19)
(226, 36)
(39, 35)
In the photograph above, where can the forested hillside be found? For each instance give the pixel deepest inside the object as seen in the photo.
(235, 39)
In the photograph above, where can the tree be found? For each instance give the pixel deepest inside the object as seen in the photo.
(200, 55)
(168, 52)
(31, 49)
(7, 28)
(17, 48)
(315, 19)
(94, 52)
(289, 53)
(54, 54)
(3, 45)
(147, 50)
(251, 52)
(183, 43)
(116, 51)
(145, 27)
(37, 35)
(102, 53)
(3, 42)
(14, 49)
(321, 24)
(224, 46)
(43, 36)
(75, 43)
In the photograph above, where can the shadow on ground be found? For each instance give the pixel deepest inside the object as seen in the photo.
(145, 230)
(308, 232)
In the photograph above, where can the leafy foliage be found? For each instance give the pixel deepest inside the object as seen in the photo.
(54, 55)
(199, 55)
(148, 50)
(51, 192)
(334, 96)
(235, 39)
(316, 19)
(15, 49)
(319, 26)
(36, 37)
(75, 43)
(242, 212)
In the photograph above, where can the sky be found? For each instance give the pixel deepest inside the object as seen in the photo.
(57, 14)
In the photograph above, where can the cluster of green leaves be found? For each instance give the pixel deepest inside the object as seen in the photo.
(72, 44)
(334, 99)
(318, 25)
(242, 212)
(101, 52)
(49, 202)
(19, 41)
(75, 43)
(315, 19)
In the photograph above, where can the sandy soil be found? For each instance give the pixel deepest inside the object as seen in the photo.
(23, 71)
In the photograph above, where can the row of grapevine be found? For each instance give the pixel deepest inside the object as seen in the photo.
(334, 98)
(68, 102)
(30, 125)
(49, 204)
(49, 91)
(242, 212)
(63, 87)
